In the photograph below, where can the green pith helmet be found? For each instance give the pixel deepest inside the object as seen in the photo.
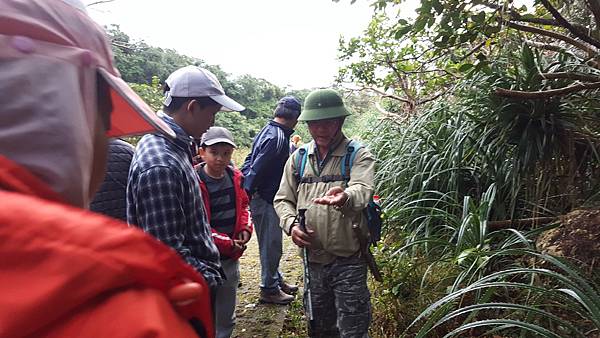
(322, 104)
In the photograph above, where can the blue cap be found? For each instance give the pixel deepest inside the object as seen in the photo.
(288, 106)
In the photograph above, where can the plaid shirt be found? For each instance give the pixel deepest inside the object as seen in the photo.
(163, 198)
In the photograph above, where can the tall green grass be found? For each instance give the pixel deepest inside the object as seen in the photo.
(468, 161)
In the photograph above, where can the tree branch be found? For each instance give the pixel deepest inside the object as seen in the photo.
(546, 93)
(546, 46)
(577, 32)
(386, 113)
(99, 3)
(402, 84)
(413, 72)
(538, 21)
(594, 6)
(582, 46)
(120, 45)
(386, 95)
(570, 76)
(515, 16)
(520, 223)
(434, 97)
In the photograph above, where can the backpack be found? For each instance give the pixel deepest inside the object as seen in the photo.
(373, 210)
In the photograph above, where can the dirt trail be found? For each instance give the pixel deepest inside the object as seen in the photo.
(263, 320)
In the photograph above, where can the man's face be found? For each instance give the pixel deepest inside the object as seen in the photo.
(324, 131)
(202, 119)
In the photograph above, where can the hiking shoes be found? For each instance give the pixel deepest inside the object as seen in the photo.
(277, 297)
(290, 289)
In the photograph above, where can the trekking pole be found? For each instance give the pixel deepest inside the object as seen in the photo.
(308, 300)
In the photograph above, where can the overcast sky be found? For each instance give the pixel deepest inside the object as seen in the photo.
(287, 42)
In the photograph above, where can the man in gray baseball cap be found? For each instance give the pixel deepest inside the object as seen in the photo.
(163, 195)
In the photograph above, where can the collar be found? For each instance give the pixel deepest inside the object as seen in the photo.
(286, 130)
(182, 139)
(200, 169)
(16, 178)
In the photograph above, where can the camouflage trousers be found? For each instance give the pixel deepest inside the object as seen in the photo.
(340, 298)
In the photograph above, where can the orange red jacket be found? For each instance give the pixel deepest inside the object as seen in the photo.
(242, 217)
(68, 272)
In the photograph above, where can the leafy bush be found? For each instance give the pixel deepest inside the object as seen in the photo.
(449, 175)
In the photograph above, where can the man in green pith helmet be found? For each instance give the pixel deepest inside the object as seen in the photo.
(319, 177)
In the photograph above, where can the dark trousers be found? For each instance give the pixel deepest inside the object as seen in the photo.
(340, 298)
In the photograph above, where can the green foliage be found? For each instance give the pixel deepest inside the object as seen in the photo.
(146, 67)
(151, 93)
(444, 175)
(493, 124)
(420, 59)
(139, 62)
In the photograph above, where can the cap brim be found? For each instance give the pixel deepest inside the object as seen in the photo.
(228, 103)
(131, 115)
(220, 140)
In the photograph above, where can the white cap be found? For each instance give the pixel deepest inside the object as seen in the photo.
(193, 81)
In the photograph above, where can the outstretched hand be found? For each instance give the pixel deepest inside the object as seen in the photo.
(335, 196)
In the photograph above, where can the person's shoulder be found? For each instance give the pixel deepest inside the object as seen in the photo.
(151, 145)
(274, 131)
(119, 143)
(150, 141)
(153, 150)
(362, 151)
(162, 175)
(275, 137)
(120, 147)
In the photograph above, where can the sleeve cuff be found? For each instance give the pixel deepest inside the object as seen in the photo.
(348, 206)
(288, 224)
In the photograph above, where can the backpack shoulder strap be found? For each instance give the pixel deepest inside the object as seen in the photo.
(351, 150)
(301, 161)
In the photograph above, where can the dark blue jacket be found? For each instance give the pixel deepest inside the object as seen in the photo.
(263, 167)
(110, 199)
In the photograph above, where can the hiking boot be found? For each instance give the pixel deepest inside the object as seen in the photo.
(277, 297)
(290, 289)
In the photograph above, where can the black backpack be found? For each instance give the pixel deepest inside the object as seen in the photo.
(373, 210)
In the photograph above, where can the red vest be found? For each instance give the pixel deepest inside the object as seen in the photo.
(68, 272)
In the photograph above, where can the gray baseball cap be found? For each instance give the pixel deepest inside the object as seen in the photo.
(216, 135)
(193, 81)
